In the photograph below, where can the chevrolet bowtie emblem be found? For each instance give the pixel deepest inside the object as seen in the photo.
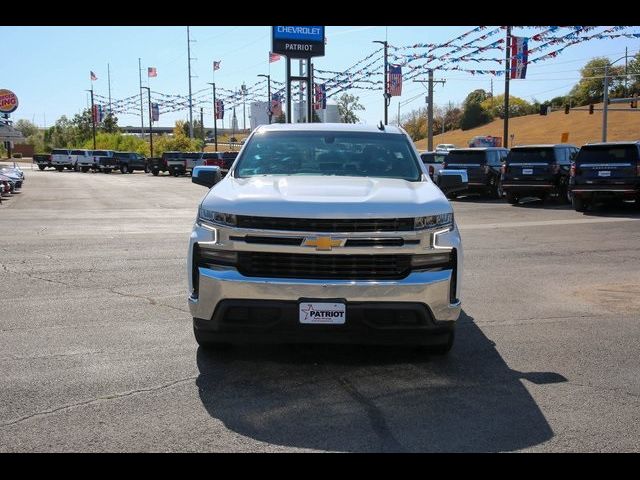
(322, 243)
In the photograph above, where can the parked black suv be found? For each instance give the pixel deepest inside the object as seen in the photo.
(605, 171)
(538, 171)
(128, 162)
(483, 166)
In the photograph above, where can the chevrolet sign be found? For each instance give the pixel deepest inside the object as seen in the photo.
(298, 41)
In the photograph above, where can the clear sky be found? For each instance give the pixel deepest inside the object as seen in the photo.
(48, 67)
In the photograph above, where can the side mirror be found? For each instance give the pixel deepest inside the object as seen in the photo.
(207, 176)
(451, 181)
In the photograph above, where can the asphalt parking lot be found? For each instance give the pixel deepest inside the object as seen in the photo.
(97, 351)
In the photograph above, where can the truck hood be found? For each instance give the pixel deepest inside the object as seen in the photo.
(326, 197)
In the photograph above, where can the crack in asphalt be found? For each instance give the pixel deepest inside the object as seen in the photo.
(34, 357)
(378, 422)
(150, 300)
(115, 396)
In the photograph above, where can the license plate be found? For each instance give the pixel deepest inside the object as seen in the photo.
(527, 171)
(323, 313)
(604, 173)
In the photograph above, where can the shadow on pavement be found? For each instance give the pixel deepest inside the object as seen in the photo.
(614, 209)
(371, 399)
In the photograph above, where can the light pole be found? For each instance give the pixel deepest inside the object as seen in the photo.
(386, 86)
(268, 77)
(244, 107)
(215, 116)
(93, 118)
(150, 122)
(605, 98)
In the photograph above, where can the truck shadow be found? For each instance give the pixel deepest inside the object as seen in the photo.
(366, 399)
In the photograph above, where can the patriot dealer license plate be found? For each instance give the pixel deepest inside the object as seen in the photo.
(323, 313)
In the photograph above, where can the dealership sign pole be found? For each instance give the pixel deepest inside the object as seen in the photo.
(8, 104)
(300, 42)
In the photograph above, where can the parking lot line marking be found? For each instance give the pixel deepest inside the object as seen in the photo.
(546, 223)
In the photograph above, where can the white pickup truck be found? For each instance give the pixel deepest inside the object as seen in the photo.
(61, 159)
(329, 233)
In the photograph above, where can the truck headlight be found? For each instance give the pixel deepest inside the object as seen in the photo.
(442, 220)
(209, 217)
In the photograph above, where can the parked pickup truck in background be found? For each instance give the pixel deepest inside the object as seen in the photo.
(61, 158)
(224, 160)
(104, 160)
(181, 163)
(128, 162)
(43, 160)
(324, 233)
(82, 160)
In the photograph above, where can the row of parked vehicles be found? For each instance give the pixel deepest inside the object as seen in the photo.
(608, 171)
(11, 180)
(106, 161)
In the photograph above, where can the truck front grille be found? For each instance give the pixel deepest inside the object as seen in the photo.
(348, 267)
(327, 225)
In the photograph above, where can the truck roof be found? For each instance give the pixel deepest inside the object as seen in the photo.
(604, 144)
(545, 145)
(328, 127)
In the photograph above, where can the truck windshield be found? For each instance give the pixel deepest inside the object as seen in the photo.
(355, 154)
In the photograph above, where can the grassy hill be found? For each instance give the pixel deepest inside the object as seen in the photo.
(581, 126)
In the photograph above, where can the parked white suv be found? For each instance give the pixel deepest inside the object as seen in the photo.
(324, 233)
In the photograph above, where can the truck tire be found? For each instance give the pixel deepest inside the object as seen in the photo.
(579, 205)
(60, 169)
(155, 172)
(124, 168)
(208, 344)
(107, 170)
(496, 189)
(146, 169)
(176, 172)
(512, 198)
(84, 169)
(41, 167)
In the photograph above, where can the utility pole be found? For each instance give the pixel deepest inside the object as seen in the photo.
(189, 72)
(429, 101)
(626, 70)
(150, 122)
(269, 112)
(202, 125)
(109, 83)
(141, 114)
(93, 119)
(244, 106)
(507, 75)
(215, 116)
(386, 96)
(605, 107)
(492, 92)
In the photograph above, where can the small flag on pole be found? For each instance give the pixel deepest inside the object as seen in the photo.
(152, 72)
(276, 105)
(216, 65)
(273, 57)
(93, 76)
(320, 97)
(155, 112)
(394, 88)
(519, 57)
(219, 110)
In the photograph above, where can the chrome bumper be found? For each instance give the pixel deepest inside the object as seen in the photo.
(430, 288)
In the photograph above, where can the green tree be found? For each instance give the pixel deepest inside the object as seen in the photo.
(517, 106)
(415, 123)
(26, 127)
(590, 88)
(348, 105)
(477, 96)
(473, 116)
(110, 124)
(83, 127)
(61, 134)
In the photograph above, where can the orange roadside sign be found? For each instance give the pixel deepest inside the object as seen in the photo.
(564, 138)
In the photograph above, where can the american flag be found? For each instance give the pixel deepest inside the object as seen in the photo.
(394, 89)
(320, 97)
(152, 72)
(216, 65)
(93, 76)
(273, 57)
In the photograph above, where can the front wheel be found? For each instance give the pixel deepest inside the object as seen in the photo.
(84, 169)
(155, 173)
(512, 198)
(496, 189)
(60, 169)
(579, 204)
(41, 167)
(107, 170)
(124, 169)
(146, 169)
